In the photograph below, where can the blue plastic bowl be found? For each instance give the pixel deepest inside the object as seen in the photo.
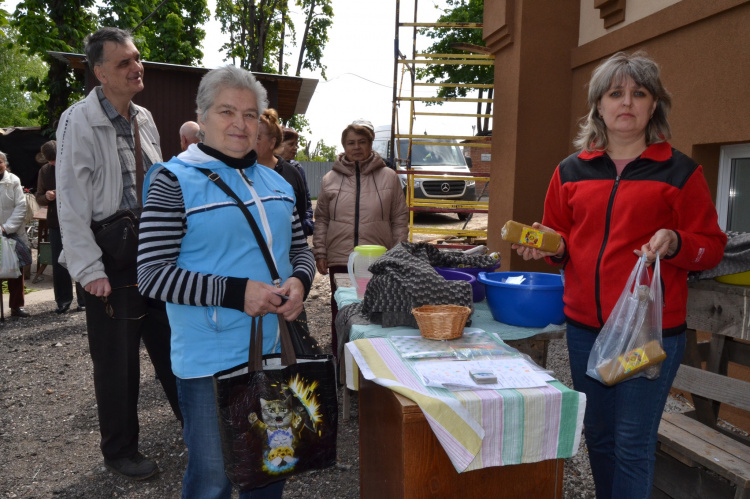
(454, 275)
(536, 302)
(477, 287)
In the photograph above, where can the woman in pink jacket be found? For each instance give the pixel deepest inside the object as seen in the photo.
(360, 202)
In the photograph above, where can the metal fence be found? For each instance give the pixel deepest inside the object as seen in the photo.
(315, 170)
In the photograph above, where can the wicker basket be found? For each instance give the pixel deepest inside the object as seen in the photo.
(441, 322)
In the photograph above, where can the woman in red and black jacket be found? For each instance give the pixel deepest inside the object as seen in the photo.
(627, 193)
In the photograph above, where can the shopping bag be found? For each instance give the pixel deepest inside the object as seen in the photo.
(278, 414)
(630, 345)
(9, 267)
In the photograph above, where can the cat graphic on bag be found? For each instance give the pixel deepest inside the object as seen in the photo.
(280, 425)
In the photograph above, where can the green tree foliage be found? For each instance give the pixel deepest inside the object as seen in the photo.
(261, 31)
(465, 11)
(17, 107)
(322, 152)
(254, 30)
(172, 33)
(318, 18)
(53, 25)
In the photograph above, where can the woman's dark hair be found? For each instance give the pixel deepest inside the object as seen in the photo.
(644, 72)
(49, 150)
(290, 134)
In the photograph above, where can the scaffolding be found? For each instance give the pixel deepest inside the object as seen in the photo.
(454, 238)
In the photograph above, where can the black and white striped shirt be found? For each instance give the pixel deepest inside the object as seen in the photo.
(163, 225)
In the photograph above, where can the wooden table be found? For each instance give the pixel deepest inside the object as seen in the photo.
(400, 457)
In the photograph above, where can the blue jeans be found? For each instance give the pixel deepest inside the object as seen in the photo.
(622, 421)
(204, 477)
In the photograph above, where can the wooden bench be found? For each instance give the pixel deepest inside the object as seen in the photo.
(697, 457)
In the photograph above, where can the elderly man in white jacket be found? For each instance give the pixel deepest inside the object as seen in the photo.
(99, 140)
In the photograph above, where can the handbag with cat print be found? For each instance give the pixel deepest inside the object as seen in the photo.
(278, 414)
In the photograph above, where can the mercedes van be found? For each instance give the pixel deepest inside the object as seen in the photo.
(434, 158)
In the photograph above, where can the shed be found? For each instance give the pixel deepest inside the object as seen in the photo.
(170, 91)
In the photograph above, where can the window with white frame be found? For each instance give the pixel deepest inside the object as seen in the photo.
(733, 193)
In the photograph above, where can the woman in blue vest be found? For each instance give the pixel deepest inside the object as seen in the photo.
(198, 254)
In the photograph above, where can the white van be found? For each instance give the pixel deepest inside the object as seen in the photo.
(440, 158)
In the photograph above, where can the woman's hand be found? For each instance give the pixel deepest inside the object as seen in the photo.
(529, 253)
(664, 241)
(50, 195)
(292, 307)
(261, 298)
(322, 265)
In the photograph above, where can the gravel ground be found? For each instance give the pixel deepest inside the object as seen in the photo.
(49, 433)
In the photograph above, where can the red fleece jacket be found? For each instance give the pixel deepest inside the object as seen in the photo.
(603, 218)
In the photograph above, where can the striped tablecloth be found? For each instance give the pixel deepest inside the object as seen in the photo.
(479, 428)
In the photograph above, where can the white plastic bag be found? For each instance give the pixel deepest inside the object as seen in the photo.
(9, 268)
(629, 345)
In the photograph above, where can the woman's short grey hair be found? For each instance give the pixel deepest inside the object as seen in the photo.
(5, 157)
(644, 72)
(228, 76)
(94, 44)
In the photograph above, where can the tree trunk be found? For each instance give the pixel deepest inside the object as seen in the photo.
(58, 94)
(284, 10)
(310, 15)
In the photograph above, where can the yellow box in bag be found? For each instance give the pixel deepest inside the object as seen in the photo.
(632, 362)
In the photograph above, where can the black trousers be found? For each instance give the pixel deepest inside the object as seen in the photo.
(61, 281)
(115, 330)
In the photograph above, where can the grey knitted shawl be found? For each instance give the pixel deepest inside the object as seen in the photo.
(403, 279)
(736, 258)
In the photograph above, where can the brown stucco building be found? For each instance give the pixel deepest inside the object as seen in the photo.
(545, 52)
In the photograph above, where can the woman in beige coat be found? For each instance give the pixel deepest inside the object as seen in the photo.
(360, 202)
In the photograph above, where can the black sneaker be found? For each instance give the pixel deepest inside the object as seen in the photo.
(136, 467)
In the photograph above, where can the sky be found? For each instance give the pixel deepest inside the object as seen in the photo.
(359, 65)
(359, 61)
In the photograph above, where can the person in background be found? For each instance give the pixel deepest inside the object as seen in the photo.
(46, 196)
(288, 151)
(96, 176)
(625, 194)
(269, 139)
(216, 257)
(360, 202)
(189, 134)
(12, 216)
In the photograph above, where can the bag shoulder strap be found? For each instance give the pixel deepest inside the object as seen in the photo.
(138, 163)
(288, 356)
(216, 179)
